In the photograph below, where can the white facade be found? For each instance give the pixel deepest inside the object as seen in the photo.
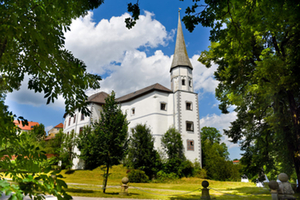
(156, 106)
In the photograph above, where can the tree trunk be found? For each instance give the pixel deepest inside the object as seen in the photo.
(105, 176)
(294, 109)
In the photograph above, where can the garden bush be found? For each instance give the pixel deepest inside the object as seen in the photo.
(137, 176)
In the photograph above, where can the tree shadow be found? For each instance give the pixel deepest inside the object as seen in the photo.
(190, 197)
(70, 171)
(77, 190)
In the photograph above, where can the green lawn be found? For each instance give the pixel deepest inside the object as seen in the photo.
(88, 183)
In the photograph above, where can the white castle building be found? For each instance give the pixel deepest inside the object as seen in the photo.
(156, 106)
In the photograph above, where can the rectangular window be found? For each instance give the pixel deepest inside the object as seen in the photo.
(188, 105)
(74, 119)
(190, 145)
(183, 82)
(80, 130)
(163, 106)
(190, 83)
(82, 116)
(189, 126)
(133, 111)
(69, 121)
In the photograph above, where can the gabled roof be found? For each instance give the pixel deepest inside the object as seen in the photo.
(180, 57)
(142, 92)
(60, 125)
(26, 127)
(98, 98)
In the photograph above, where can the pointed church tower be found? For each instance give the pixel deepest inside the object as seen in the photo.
(181, 68)
(185, 101)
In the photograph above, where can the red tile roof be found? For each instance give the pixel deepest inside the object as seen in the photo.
(26, 127)
(60, 125)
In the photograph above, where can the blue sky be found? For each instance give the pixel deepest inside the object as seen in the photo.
(128, 60)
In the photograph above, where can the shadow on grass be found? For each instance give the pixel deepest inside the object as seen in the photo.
(190, 197)
(248, 190)
(76, 190)
(86, 191)
(70, 172)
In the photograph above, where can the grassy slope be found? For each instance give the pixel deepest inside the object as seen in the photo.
(88, 183)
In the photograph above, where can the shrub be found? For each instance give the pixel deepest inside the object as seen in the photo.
(163, 176)
(187, 168)
(200, 173)
(137, 176)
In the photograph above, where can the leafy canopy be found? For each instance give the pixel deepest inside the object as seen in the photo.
(32, 44)
(255, 45)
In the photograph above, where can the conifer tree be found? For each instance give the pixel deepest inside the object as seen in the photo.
(141, 152)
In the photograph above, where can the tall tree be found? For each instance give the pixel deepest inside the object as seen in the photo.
(173, 146)
(109, 136)
(32, 43)
(255, 45)
(141, 152)
(215, 155)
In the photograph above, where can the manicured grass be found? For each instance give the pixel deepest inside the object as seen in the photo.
(88, 183)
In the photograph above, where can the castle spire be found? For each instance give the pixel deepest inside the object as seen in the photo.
(180, 57)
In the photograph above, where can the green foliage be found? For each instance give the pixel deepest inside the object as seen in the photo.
(34, 137)
(109, 139)
(215, 156)
(164, 177)
(176, 162)
(62, 146)
(137, 176)
(172, 144)
(141, 152)
(254, 44)
(33, 45)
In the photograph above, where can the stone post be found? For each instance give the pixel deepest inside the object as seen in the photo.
(124, 187)
(205, 191)
(274, 189)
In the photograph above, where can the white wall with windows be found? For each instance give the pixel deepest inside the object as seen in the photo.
(154, 109)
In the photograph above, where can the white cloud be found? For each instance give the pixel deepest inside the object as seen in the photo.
(98, 45)
(110, 49)
(138, 71)
(203, 77)
(29, 97)
(220, 122)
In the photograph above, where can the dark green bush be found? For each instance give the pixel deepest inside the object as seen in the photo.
(137, 176)
(162, 176)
